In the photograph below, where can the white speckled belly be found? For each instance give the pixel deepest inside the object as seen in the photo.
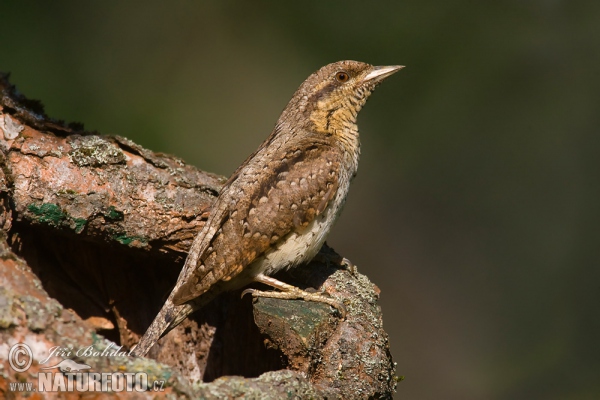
(299, 247)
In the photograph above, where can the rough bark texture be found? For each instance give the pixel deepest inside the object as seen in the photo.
(94, 232)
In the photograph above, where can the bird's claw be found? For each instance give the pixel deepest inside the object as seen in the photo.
(348, 266)
(341, 309)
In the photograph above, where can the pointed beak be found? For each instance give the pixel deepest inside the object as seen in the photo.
(380, 73)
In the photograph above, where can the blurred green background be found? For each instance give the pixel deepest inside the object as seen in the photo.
(475, 209)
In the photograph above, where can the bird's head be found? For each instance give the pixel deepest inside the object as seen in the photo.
(330, 99)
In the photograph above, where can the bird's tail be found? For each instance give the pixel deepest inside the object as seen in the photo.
(167, 318)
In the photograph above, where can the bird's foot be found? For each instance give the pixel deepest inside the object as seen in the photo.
(299, 294)
(330, 258)
(348, 266)
(289, 292)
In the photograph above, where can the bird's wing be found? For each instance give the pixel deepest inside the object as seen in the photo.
(256, 210)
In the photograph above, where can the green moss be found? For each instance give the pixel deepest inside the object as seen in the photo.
(51, 214)
(48, 213)
(124, 239)
(114, 214)
(79, 224)
(127, 240)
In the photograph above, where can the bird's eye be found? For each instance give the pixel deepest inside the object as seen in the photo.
(342, 76)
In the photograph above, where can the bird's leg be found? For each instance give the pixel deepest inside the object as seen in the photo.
(290, 292)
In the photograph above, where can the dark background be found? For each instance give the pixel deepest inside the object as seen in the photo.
(475, 209)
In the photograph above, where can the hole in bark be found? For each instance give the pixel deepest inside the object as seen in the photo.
(128, 286)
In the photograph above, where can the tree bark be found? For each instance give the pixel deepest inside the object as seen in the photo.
(94, 232)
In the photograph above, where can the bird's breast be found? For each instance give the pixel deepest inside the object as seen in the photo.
(301, 245)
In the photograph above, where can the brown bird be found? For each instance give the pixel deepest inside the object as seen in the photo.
(277, 208)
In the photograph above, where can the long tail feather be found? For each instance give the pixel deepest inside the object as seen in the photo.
(167, 318)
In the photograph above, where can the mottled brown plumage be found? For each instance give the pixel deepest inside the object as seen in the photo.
(275, 211)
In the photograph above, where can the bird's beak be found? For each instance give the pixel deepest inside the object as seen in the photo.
(380, 73)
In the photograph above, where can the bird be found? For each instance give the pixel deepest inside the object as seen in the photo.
(277, 208)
